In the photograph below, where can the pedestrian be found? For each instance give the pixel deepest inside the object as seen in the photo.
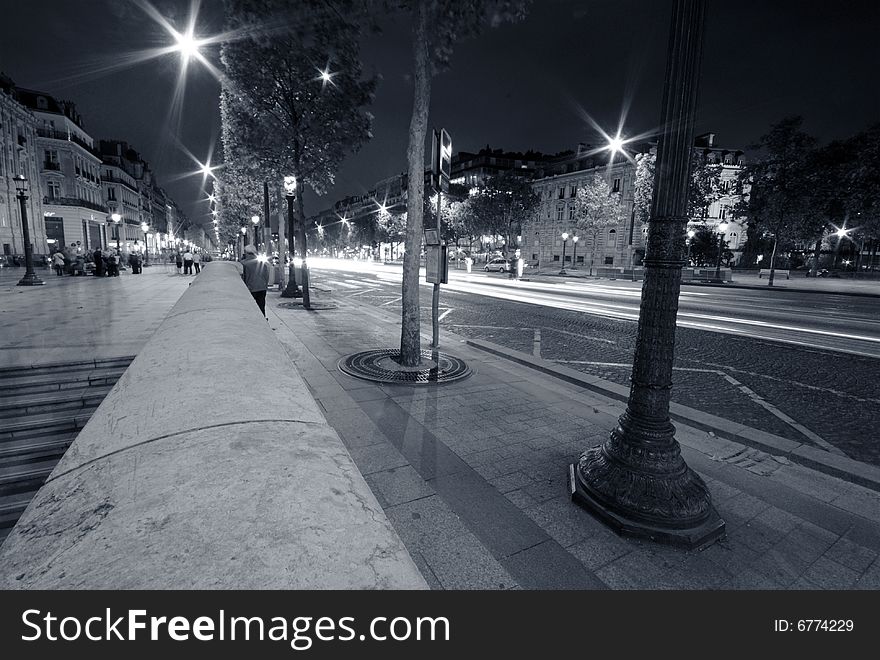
(58, 263)
(197, 262)
(187, 262)
(134, 260)
(256, 276)
(99, 262)
(113, 265)
(178, 260)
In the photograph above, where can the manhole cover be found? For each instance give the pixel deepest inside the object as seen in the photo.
(314, 305)
(380, 365)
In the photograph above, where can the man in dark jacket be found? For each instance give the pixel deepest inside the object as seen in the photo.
(255, 276)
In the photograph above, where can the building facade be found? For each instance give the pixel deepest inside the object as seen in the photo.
(73, 206)
(623, 244)
(19, 155)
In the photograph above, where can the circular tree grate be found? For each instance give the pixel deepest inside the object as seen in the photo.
(314, 305)
(380, 365)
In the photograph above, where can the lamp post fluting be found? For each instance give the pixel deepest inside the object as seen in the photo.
(564, 242)
(30, 277)
(637, 481)
(722, 230)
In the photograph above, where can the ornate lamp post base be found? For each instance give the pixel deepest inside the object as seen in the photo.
(645, 491)
(30, 279)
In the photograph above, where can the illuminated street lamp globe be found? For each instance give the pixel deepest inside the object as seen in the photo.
(145, 227)
(841, 232)
(565, 236)
(116, 217)
(255, 219)
(722, 228)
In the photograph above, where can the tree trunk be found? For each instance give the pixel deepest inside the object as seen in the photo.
(773, 260)
(410, 340)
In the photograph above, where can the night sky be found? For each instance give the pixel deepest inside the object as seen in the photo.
(517, 87)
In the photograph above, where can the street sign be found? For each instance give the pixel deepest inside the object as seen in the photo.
(441, 159)
(436, 265)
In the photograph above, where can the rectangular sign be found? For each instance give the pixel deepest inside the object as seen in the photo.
(436, 267)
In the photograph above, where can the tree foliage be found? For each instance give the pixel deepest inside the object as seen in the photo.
(777, 180)
(595, 209)
(500, 204)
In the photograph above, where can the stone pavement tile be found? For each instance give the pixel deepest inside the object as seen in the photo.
(355, 428)
(337, 402)
(822, 535)
(731, 554)
(398, 485)
(376, 458)
(808, 482)
(756, 535)
(721, 491)
(520, 499)
(828, 574)
(548, 566)
(634, 570)
(563, 520)
(367, 394)
(861, 502)
(425, 522)
(852, 555)
(778, 519)
(464, 563)
(698, 572)
(870, 579)
(422, 564)
(750, 579)
(789, 559)
(600, 548)
(498, 524)
(509, 482)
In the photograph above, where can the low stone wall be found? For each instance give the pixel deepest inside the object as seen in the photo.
(208, 466)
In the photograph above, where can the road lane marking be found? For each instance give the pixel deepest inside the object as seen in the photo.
(754, 396)
(444, 314)
(536, 343)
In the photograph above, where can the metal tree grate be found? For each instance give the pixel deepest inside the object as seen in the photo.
(366, 365)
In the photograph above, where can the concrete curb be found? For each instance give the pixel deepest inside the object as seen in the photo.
(782, 289)
(801, 453)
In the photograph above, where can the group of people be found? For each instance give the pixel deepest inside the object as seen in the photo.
(72, 260)
(188, 260)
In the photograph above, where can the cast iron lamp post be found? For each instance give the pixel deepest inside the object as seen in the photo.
(256, 220)
(30, 277)
(722, 230)
(690, 240)
(291, 290)
(145, 228)
(117, 219)
(574, 249)
(637, 481)
(564, 241)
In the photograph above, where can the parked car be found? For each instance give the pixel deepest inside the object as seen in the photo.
(497, 265)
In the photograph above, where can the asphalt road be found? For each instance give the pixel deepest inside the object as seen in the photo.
(801, 365)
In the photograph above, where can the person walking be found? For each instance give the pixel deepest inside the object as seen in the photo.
(113, 265)
(58, 263)
(187, 262)
(256, 276)
(178, 260)
(197, 262)
(99, 262)
(134, 261)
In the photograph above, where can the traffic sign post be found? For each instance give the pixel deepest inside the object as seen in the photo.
(436, 267)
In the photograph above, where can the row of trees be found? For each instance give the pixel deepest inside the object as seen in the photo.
(295, 97)
(798, 191)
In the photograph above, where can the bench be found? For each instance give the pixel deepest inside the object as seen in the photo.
(778, 272)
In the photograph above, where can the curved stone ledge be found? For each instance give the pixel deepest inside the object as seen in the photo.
(185, 477)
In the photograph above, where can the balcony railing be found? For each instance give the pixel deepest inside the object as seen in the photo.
(70, 137)
(74, 201)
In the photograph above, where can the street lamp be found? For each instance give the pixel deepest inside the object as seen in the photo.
(564, 241)
(145, 228)
(722, 230)
(292, 289)
(117, 219)
(574, 247)
(30, 277)
(291, 191)
(637, 481)
(691, 234)
(256, 220)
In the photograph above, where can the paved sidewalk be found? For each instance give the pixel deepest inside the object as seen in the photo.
(82, 318)
(473, 475)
